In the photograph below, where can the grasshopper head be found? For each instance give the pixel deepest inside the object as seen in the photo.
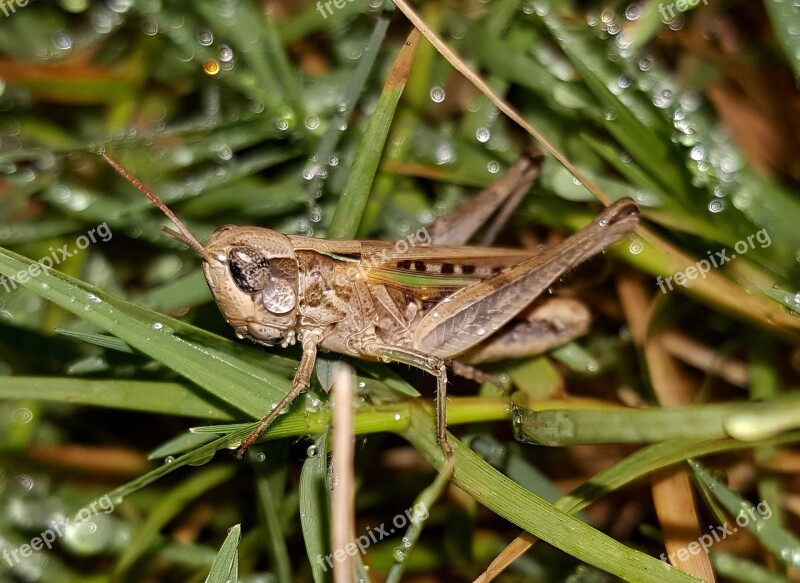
(253, 275)
(252, 272)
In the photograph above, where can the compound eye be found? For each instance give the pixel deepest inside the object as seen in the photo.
(249, 269)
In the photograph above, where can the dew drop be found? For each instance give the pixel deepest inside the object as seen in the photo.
(225, 54)
(119, 6)
(205, 37)
(149, 27)
(633, 11)
(211, 67)
(663, 99)
(483, 135)
(697, 153)
(63, 42)
(437, 94)
(23, 416)
(444, 153)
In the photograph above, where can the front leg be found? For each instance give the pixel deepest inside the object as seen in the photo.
(299, 384)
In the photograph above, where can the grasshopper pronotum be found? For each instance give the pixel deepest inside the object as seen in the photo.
(429, 306)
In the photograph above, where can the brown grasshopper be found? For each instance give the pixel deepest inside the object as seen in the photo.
(426, 306)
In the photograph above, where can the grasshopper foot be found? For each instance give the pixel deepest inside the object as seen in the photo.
(446, 449)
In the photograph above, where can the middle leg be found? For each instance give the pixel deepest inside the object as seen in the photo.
(430, 364)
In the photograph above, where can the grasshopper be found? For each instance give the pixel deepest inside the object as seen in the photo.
(428, 306)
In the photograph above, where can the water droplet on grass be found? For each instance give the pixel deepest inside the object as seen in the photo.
(437, 94)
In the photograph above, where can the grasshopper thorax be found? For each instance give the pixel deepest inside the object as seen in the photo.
(253, 275)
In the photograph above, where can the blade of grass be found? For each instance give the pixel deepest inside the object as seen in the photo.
(226, 566)
(777, 540)
(655, 255)
(498, 101)
(144, 396)
(520, 506)
(350, 207)
(315, 507)
(269, 493)
(172, 504)
(425, 500)
(785, 19)
(743, 571)
(223, 372)
(746, 421)
(352, 93)
(645, 461)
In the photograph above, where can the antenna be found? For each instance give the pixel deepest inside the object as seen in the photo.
(184, 236)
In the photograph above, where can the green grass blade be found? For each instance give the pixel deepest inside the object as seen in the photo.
(779, 541)
(225, 568)
(785, 18)
(315, 507)
(743, 571)
(649, 459)
(144, 396)
(520, 506)
(269, 487)
(227, 372)
(172, 504)
(746, 421)
(347, 215)
(420, 512)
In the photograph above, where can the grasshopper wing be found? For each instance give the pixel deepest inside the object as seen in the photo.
(471, 314)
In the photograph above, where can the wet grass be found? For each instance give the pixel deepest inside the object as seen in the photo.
(350, 124)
